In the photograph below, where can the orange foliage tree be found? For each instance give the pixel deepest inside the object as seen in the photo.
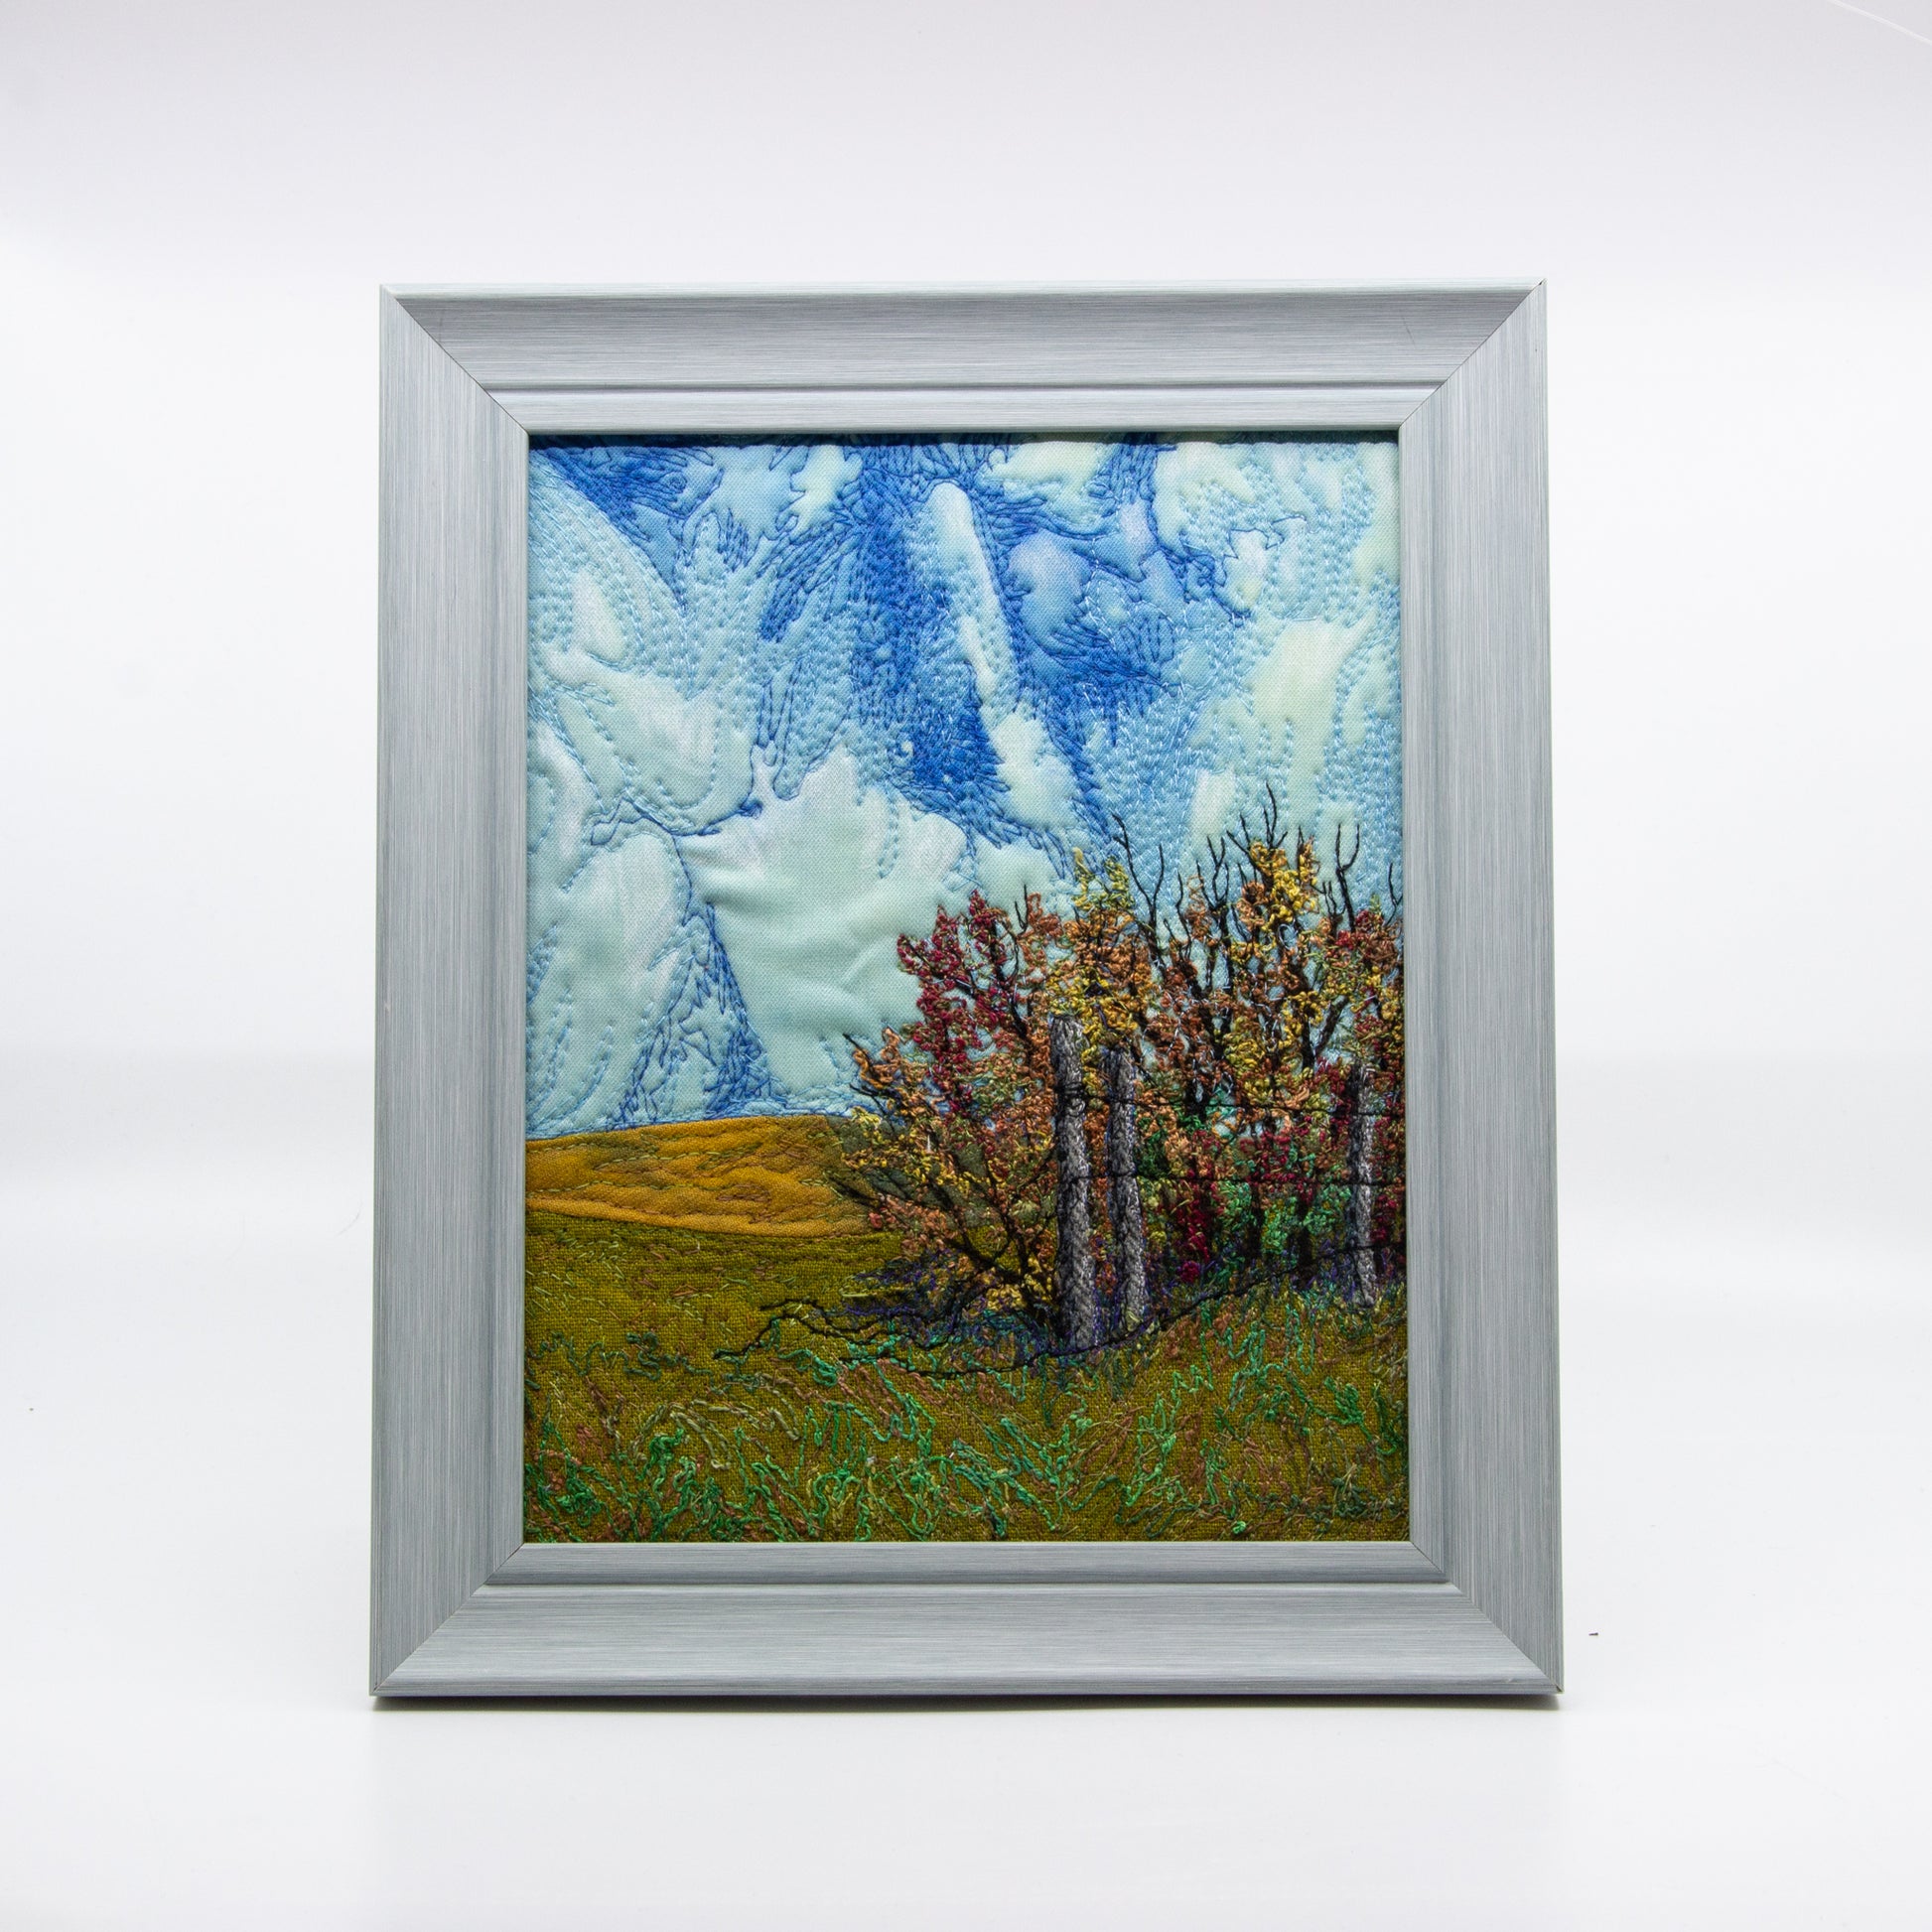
(1278, 1033)
(1259, 1003)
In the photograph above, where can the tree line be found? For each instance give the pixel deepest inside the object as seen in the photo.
(1189, 1083)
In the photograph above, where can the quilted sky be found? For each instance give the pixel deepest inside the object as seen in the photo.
(788, 700)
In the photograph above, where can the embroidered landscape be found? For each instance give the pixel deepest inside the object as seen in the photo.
(965, 1024)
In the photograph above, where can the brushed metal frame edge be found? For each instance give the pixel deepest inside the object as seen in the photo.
(459, 1606)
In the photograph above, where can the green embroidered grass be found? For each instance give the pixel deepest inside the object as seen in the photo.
(679, 1387)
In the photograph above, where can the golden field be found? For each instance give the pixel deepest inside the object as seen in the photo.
(687, 1379)
(764, 1175)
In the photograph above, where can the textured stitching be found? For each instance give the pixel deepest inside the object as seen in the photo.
(786, 701)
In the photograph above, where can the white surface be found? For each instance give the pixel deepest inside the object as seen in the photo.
(196, 205)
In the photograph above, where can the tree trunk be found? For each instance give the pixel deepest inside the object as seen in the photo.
(1120, 1073)
(1074, 1292)
(1364, 1286)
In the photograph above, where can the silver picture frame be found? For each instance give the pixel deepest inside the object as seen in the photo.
(461, 1604)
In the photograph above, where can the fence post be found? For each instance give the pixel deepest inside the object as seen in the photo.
(1074, 1292)
(1120, 1073)
(1364, 1284)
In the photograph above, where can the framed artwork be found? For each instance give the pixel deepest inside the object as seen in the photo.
(964, 1056)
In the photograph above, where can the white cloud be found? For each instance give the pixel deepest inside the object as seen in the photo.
(1286, 715)
(811, 895)
(821, 478)
(1058, 471)
(1039, 788)
(1187, 480)
(612, 949)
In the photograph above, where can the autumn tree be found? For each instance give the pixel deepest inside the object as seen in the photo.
(1222, 1046)
(956, 1148)
(1276, 1028)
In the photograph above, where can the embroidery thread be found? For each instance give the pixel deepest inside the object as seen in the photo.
(964, 1041)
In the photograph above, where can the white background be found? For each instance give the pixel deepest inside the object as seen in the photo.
(1731, 205)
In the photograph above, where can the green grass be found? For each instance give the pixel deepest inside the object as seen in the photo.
(680, 1386)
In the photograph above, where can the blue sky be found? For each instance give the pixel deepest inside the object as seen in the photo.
(786, 701)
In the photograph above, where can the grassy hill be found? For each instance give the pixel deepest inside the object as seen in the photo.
(763, 1176)
(682, 1384)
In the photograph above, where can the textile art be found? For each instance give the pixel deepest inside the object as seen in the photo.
(964, 1052)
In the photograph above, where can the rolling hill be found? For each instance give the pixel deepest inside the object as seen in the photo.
(771, 1175)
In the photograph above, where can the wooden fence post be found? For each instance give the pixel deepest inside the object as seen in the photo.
(1075, 1303)
(1364, 1283)
(1120, 1073)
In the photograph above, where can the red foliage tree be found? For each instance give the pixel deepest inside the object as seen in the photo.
(1250, 1014)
